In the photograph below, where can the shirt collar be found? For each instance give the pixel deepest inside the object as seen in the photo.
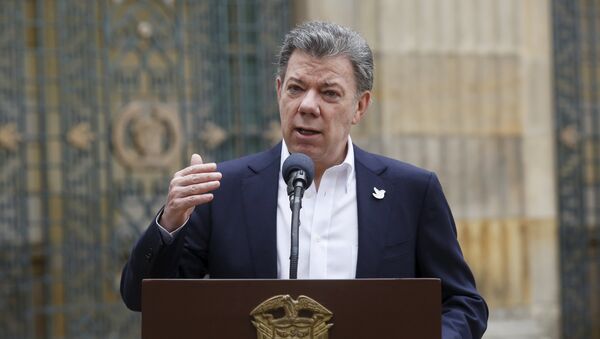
(347, 164)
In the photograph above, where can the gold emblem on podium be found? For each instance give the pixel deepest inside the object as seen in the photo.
(283, 317)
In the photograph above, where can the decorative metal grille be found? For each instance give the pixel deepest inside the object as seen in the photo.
(577, 100)
(100, 101)
(16, 297)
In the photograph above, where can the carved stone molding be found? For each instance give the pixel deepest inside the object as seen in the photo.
(147, 135)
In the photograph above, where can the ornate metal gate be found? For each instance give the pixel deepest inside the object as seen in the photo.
(100, 101)
(577, 106)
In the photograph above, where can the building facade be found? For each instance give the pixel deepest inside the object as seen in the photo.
(101, 101)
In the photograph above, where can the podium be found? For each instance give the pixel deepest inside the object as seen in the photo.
(361, 308)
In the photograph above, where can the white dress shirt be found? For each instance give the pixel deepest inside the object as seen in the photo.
(328, 234)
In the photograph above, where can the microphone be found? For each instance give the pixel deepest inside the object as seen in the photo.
(298, 171)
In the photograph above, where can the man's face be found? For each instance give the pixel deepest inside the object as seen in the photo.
(318, 104)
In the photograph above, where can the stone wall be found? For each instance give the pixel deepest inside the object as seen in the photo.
(463, 88)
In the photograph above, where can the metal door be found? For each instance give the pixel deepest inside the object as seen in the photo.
(577, 109)
(100, 101)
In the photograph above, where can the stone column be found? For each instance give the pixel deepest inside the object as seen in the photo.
(463, 88)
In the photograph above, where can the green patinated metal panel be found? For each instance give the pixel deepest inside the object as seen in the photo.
(100, 102)
(16, 285)
(577, 111)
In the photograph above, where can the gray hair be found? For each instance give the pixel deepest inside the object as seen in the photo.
(324, 39)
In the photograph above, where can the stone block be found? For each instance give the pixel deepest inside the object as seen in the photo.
(456, 94)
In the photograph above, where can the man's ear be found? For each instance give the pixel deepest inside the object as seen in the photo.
(278, 83)
(362, 105)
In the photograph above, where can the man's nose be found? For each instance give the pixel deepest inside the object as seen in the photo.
(310, 103)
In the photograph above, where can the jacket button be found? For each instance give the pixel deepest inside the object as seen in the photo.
(148, 255)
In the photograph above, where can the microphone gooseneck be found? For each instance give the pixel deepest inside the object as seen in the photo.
(298, 172)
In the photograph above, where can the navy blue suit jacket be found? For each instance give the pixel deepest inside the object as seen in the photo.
(410, 233)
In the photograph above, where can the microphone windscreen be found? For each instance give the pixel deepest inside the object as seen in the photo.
(298, 161)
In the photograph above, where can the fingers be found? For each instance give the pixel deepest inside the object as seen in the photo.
(196, 179)
(197, 168)
(178, 210)
(178, 192)
(182, 199)
(185, 197)
(196, 159)
(190, 187)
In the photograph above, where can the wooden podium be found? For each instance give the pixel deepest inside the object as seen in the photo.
(362, 308)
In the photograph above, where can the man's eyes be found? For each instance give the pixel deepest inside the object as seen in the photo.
(331, 94)
(294, 89)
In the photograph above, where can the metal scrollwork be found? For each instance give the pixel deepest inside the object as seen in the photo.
(9, 137)
(147, 135)
(273, 132)
(145, 29)
(569, 136)
(81, 136)
(213, 135)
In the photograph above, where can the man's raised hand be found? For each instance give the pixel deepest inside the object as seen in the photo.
(189, 187)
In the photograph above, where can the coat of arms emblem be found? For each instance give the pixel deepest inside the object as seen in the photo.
(283, 317)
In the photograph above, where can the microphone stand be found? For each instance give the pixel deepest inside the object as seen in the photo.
(295, 191)
(295, 205)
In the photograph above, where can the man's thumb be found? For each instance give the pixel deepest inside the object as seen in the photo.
(196, 159)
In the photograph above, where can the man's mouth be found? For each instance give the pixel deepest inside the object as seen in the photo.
(307, 132)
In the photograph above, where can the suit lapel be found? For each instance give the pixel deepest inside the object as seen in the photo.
(259, 191)
(372, 213)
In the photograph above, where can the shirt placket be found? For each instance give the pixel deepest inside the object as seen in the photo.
(323, 209)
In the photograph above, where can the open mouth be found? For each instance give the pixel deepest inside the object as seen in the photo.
(306, 132)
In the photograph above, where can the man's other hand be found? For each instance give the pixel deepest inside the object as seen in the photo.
(189, 187)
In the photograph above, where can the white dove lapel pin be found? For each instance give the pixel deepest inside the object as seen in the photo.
(378, 194)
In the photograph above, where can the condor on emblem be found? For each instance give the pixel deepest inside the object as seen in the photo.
(283, 317)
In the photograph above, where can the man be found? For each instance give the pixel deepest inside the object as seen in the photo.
(233, 220)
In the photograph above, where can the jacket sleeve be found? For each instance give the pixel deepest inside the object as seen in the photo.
(152, 258)
(464, 312)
